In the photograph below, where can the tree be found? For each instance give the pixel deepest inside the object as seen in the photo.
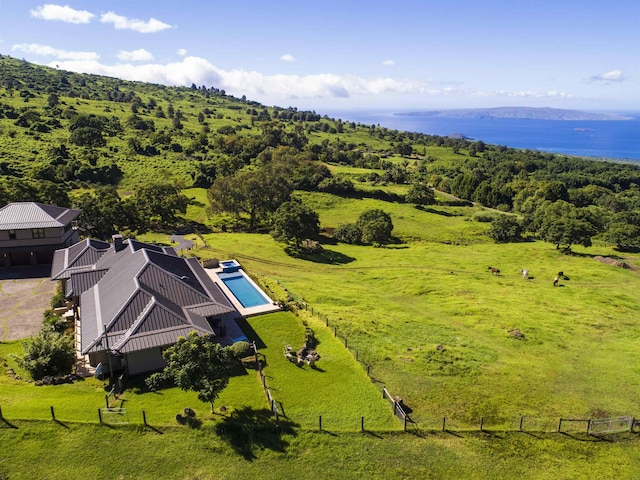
(161, 200)
(624, 231)
(505, 228)
(348, 233)
(87, 137)
(563, 224)
(257, 193)
(376, 226)
(421, 194)
(294, 222)
(197, 364)
(48, 354)
(105, 213)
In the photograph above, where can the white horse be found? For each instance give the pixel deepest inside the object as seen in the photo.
(525, 274)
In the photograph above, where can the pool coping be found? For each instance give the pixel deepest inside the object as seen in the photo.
(244, 311)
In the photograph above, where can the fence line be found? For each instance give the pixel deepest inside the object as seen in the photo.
(272, 403)
(588, 426)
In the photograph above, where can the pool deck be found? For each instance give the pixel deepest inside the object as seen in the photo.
(245, 312)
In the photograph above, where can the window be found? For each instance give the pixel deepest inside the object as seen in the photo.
(12, 234)
(37, 232)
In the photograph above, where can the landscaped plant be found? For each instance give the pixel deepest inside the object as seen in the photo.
(48, 354)
(198, 364)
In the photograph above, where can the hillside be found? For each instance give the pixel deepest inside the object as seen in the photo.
(421, 308)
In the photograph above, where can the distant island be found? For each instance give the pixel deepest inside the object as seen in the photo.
(528, 113)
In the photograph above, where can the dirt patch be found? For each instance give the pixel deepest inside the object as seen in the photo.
(22, 303)
(614, 262)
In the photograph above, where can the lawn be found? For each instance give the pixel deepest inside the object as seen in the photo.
(79, 402)
(336, 389)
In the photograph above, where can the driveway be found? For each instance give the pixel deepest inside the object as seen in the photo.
(183, 243)
(24, 296)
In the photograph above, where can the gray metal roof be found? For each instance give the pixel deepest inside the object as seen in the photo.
(145, 298)
(80, 257)
(27, 215)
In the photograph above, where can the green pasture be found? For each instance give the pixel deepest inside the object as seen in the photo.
(451, 338)
(251, 447)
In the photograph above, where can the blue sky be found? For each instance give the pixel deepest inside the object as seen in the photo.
(349, 54)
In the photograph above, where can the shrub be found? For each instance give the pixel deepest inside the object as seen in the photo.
(48, 354)
(241, 349)
(58, 299)
(348, 233)
(484, 217)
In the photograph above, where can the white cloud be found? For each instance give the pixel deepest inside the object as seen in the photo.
(287, 58)
(48, 51)
(282, 88)
(123, 23)
(140, 55)
(388, 63)
(182, 52)
(611, 76)
(62, 13)
(189, 70)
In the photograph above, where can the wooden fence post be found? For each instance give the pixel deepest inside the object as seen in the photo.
(320, 423)
(404, 426)
(589, 427)
(560, 424)
(383, 388)
(100, 416)
(368, 368)
(362, 424)
(444, 423)
(481, 423)
(53, 413)
(335, 331)
(345, 342)
(1, 417)
(144, 417)
(521, 419)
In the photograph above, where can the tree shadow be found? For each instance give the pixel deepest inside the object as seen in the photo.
(326, 256)
(434, 211)
(248, 430)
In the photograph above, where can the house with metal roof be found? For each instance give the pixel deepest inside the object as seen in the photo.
(30, 232)
(135, 299)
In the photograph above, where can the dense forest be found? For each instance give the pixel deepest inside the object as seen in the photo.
(124, 151)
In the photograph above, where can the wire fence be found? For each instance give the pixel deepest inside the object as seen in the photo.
(418, 423)
(273, 405)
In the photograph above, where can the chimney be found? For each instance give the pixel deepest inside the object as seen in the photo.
(117, 242)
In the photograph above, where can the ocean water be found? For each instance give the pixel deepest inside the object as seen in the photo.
(600, 139)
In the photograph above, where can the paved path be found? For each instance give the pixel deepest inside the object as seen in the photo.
(22, 304)
(183, 243)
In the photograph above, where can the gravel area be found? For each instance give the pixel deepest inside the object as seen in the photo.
(24, 295)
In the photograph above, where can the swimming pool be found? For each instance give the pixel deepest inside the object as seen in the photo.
(243, 289)
(229, 266)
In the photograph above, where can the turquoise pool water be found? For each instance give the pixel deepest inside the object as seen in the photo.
(243, 290)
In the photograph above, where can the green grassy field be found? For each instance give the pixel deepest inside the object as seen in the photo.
(439, 329)
(337, 389)
(252, 448)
